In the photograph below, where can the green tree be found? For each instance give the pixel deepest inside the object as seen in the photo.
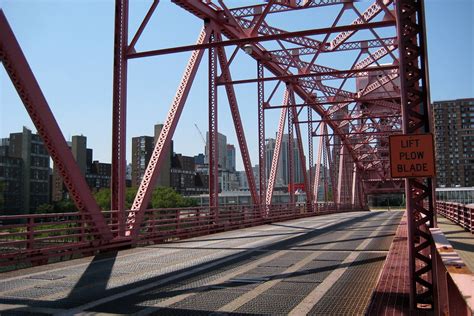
(102, 198)
(130, 196)
(65, 205)
(45, 208)
(164, 197)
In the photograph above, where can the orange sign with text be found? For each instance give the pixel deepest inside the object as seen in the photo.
(412, 156)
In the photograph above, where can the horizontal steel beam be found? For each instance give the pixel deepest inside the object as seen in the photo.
(256, 39)
(311, 75)
(348, 100)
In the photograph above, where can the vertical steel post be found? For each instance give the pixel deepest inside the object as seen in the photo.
(325, 167)
(213, 141)
(361, 193)
(354, 184)
(416, 119)
(310, 153)
(317, 173)
(119, 112)
(291, 182)
(302, 158)
(261, 134)
(340, 178)
(331, 165)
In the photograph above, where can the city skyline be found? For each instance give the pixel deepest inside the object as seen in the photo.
(77, 82)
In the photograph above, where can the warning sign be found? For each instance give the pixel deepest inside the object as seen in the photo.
(412, 156)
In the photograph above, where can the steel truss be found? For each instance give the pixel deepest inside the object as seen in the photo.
(351, 110)
(416, 119)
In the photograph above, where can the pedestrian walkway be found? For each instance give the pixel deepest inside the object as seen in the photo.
(391, 296)
(461, 240)
(324, 265)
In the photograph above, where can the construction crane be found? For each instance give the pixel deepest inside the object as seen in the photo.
(200, 133)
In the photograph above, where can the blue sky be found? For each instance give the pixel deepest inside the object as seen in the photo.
(69, 45)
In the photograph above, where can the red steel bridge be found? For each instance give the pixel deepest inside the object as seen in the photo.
(351, 108)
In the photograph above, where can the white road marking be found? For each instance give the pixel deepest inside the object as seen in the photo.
(315, 296)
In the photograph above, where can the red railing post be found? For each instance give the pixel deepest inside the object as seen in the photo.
(30, 233)
(82, 228)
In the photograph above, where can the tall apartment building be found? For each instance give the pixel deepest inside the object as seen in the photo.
(96, 174)
(230, 149)
(221, 150)
(454, 138)
(142, 149)
(11, 181)
(24, 172)
(99, 175)
(199, 159)
(283, 175)
(184, 178)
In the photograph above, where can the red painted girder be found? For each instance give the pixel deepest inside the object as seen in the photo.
(260, 18)
(325, 73)
(301, 151)
(354, 185)
(341, 170)
(313, 84)
(373, 57)
(261, 132)
(331, 162)
(213, 150)
(317, 175)
(355, 45)
(145, 190)
(295, 62)
(353, 134)
(325, 167)
(266, 30)
(417, 118)
(357, 116)
(241, 39)
(319, 73)
(396, 112)
(310, 152)
(380, 83)
(249, 11)
(119, 111)
(368, 15)
(294, 78)
(239, 130)
(236, 37)
(330, 100)
(28, 89)
(290, 150)
(276, 152)
(142, 26)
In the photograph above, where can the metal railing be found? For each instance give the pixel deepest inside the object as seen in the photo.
(36, 239)
(458, 213)
(453, 279)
